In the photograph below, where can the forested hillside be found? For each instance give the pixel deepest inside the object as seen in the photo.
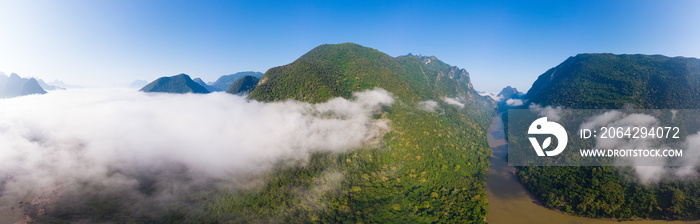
(225, 81)
(243, 85)
(430, 167)
(610, 81)
(616, 81)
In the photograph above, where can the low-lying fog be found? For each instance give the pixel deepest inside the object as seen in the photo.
(109, 138)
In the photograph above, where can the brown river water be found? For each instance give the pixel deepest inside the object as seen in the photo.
(509, 201)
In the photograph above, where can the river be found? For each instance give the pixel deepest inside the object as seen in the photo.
(510, 202)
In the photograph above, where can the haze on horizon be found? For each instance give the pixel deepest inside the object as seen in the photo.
(101, 43)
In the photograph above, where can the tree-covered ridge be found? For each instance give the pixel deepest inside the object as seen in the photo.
(430, 168)
(181, 83)
(225, 81)
(610, 81)
(338, 70)
(328, 71)
(509, 92)
(614, 81)
(243, 85)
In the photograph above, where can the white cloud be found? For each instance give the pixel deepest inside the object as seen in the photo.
(647, 169)
(65, 137)
(514, 102)
(453, 101)
(552, 113)
(601, 120)
(493, 96)
(428, 105)
(691, 156)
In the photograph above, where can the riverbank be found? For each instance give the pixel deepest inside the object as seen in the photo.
(510, 202)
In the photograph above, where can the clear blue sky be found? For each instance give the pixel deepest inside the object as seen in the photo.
(499, 42)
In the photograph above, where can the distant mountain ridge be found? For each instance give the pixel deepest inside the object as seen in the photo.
(225, 81)
(181, 83)
(14, 86)
(508, 92)
(61, 84)
(243, 85)
(208, 87)
(46, 86)
(138, 84)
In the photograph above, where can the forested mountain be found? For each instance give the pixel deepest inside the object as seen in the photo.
(615, 81)
(610, 81)
(338, 70)
(508, 92)
(431, 167)
(181, 83)
(243, 85)
(14, 86)
(224, 82)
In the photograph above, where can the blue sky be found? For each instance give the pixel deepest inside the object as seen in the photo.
(500, 43)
